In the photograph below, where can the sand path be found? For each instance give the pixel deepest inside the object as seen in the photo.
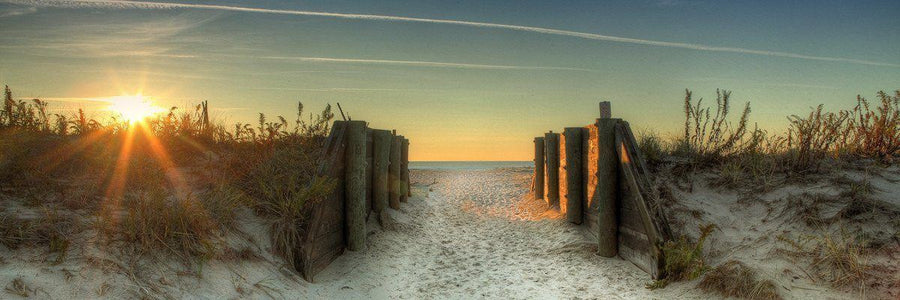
(477, 235)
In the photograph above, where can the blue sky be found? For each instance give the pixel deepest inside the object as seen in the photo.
(477, 90)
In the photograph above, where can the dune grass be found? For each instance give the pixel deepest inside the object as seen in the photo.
(811, 144)
(173, 182)
(834, 257)
(734, 279)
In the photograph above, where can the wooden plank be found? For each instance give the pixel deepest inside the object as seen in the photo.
(323, 239)
(640, 217)
(661, 222)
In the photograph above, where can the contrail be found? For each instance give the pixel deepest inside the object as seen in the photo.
(559, 32)
(418, 63)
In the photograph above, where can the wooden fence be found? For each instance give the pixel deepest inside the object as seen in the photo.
(597, 175)
(371, 168)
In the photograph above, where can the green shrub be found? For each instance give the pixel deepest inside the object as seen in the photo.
(683, 260)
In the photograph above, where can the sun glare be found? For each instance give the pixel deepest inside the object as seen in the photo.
(133, 108)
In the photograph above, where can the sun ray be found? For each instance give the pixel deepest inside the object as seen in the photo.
(115, 190)
(164, 159)
(60, 155)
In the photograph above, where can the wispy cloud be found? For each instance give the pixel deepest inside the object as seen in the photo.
(342, 89)
(417, 63)
(17, 11)
(112, 37)
(559, 32)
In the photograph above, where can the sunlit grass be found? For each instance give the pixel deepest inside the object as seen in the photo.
(159, 180)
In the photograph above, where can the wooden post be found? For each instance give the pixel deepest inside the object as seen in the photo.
(605, 110)
(404, 169)
(394, 177)
(607, 185)
(370, 171)
(382, 161)
(356, 185)
(551, 168)
(538, 168)
(574, 190)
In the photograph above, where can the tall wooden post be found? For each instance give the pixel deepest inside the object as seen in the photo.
(404, 169)
(370, 171)
(382, 161)
(538, 168)
(394, 177)
(551, 168)
(356, 186)
(607, 185)
(574, 167)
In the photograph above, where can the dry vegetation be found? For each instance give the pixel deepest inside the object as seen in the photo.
(710, 139)
(729, 154)
(172, 184)
(734, 279)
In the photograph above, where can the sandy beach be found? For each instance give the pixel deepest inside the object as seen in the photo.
(480, 234)
(465, 234)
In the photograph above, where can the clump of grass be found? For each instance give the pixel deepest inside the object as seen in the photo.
(734, 279)
(222, 204)
(835, 258)
(709, 137)
(18, 287)
(287, 214)
(652, 147)
(152, 221)
(49, 229)
(683, 260)
(813, 137)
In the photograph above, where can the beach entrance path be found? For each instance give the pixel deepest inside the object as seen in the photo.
(478, 234)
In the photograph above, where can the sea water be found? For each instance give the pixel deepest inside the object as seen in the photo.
(467, 165)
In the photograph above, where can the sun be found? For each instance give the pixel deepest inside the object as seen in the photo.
(134, 108)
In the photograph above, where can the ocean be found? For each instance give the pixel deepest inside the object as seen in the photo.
(468, 165)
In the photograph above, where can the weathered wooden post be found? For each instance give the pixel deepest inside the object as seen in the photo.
(394, 177)
(538, 168)
(551, 168)
(382, 160)
(574, 167)
(404, 169)
(607, 185)
(356, 186)
(370, 170)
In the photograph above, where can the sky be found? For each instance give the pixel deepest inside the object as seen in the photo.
(463, 80)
